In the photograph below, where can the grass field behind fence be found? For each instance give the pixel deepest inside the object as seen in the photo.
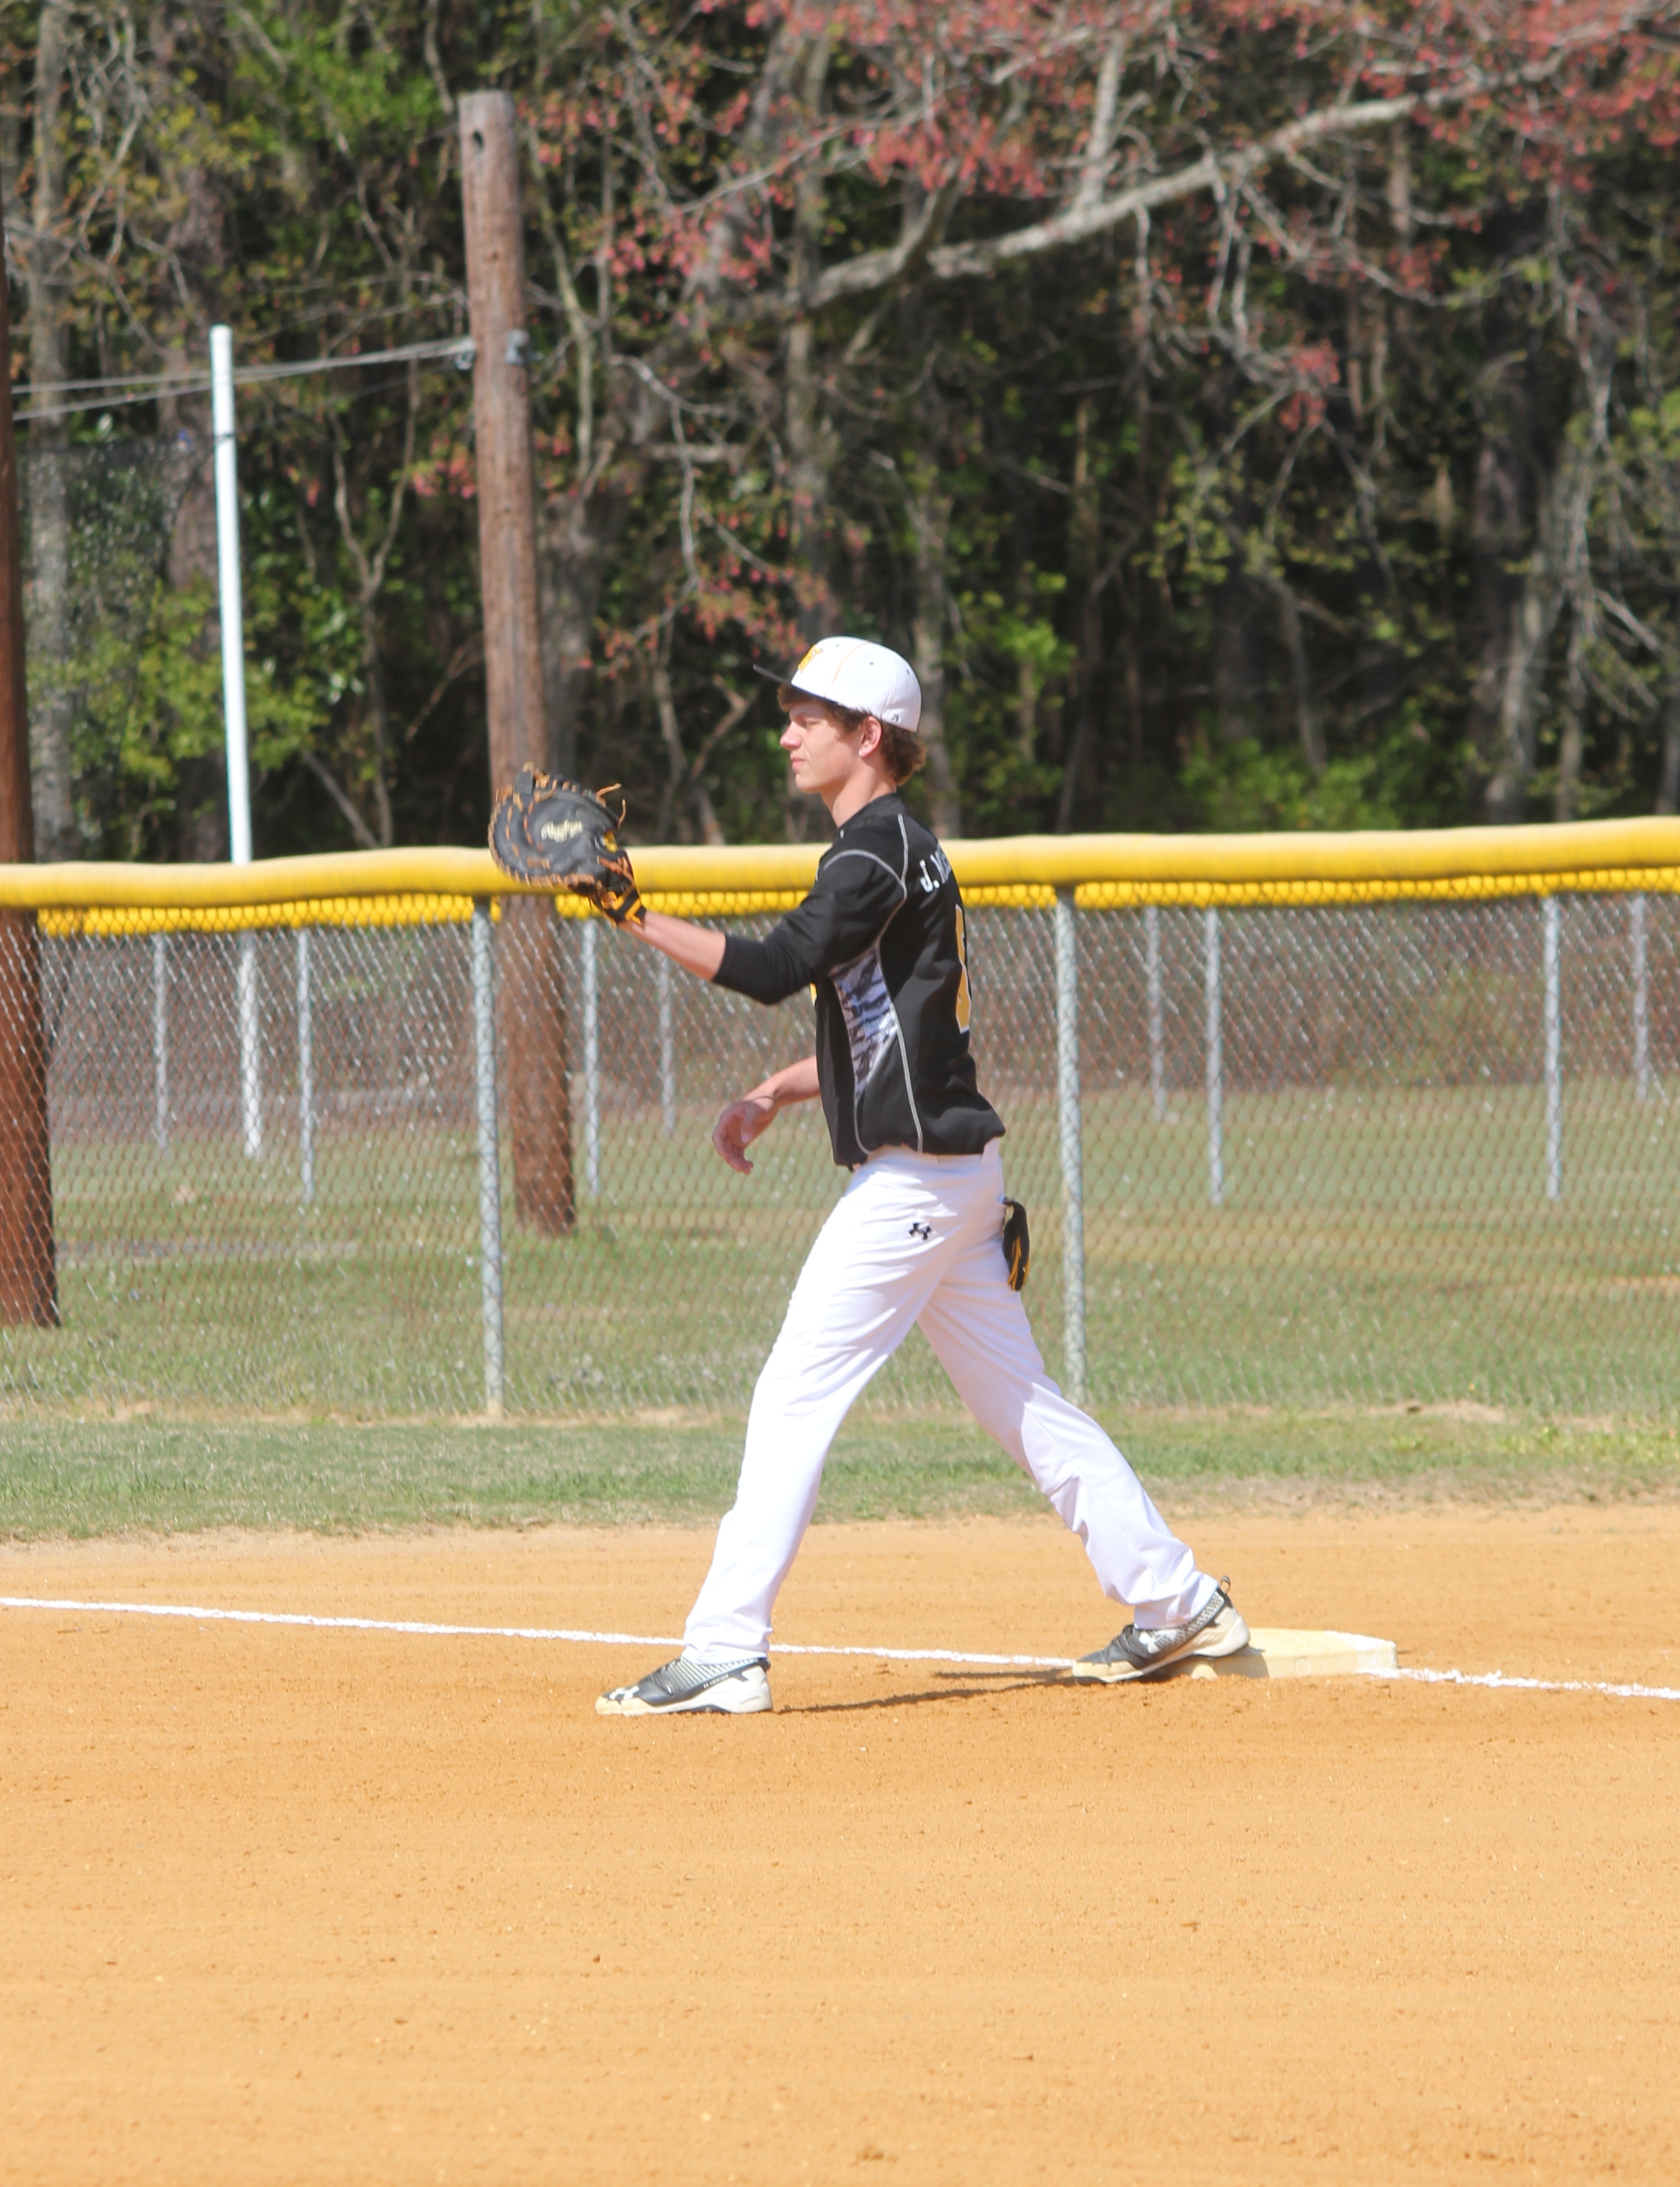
(1373, 1247)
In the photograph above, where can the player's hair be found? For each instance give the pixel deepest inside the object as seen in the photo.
(902, 750)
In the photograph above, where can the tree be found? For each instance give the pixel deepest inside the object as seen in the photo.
(1244, 415)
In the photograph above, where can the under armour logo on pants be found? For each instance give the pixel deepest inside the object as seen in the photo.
(921, 1230)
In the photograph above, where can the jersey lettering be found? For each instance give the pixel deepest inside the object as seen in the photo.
(934, 880)
(871, 1021)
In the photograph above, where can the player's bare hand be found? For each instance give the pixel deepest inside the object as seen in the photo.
(739, 1126)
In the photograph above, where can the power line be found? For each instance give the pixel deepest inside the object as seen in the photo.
(457, 349)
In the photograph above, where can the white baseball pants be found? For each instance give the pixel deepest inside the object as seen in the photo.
(917, 1238)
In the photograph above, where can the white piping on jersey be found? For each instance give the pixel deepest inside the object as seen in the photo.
(903, 1051)
(869, 995)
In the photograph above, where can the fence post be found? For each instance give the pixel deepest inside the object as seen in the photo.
(161, 1040)
(1157, 1022)
(1216, 1059)
(1642, 999)
(1554, 1076)
(592, 1060)
(250, 1056)
(305, 1069)
(667, 1050)
(1073, 1174)
(489, 1159)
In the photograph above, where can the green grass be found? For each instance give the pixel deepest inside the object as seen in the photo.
(86, 1478)
(1375, 1244)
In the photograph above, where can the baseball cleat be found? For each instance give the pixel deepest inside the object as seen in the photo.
(1217, 1629)
(681, 1688)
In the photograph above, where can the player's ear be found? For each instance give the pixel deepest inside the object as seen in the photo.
(869, 736)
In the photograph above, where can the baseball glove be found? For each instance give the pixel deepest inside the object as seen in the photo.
(1017, 1245)
(562, 836)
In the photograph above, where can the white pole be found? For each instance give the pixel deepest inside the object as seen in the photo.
(232, 611)
(489, 1160)
(592, 1061)
(234, 709)
(305, 1069)
(160, 1040)
(1642, 1000)
(1216, 1060)
(250, 1054)
(1072, 1147)
(1554, 1074)
(667, 1050)
(1157, 1024)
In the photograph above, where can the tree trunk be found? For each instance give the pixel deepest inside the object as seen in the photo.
(672, 803)
(1084, 535)
(577, 533)
(930, 512)
(1238, 660)
(378, 719)
(810, 453)
(28, 1265)
(1527, 634)
(1507, 609)
(1308, 728)
(810, 441)
(53, 714)
(1559, 535)
(1571, 745)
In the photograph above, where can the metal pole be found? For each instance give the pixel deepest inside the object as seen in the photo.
(667, 1050)
(591, 1060)
(1216, 1060)
(489, 1159)
(1072, 1146)
(1642, 999)
(233, 709)
(1157, 1023)
(227, 573)
(305, 1069)
(160, 1040)
(250, 1054)
(1554, 1074)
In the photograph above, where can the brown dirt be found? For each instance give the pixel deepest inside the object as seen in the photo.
(290, 1905)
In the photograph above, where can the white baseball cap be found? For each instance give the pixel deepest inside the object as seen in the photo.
(868, 679)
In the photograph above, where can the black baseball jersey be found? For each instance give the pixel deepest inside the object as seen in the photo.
(881, 938)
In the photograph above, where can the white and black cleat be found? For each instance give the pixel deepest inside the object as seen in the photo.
(1217, 1629)
(680, 1688)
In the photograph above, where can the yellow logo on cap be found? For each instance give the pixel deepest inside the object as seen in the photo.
(808, 659)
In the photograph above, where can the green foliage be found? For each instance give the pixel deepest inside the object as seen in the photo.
(1248, 786)
(1223, 522)
(173, 713)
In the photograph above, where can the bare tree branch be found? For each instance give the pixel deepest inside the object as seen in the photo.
(365, 837)
(1084, 219)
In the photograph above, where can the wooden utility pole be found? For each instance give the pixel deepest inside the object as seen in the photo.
(539, 1104)
(29, 1288)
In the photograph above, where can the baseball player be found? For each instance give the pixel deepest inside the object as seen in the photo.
(917, 1237)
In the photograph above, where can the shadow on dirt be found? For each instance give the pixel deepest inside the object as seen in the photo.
(976, 1686)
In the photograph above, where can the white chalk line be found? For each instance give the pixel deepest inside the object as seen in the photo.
(508, 1632)
(1499, 1681)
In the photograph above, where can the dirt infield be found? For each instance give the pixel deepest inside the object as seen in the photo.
(334, 1906)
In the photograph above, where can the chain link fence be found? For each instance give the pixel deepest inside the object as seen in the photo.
(1377, 1153)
